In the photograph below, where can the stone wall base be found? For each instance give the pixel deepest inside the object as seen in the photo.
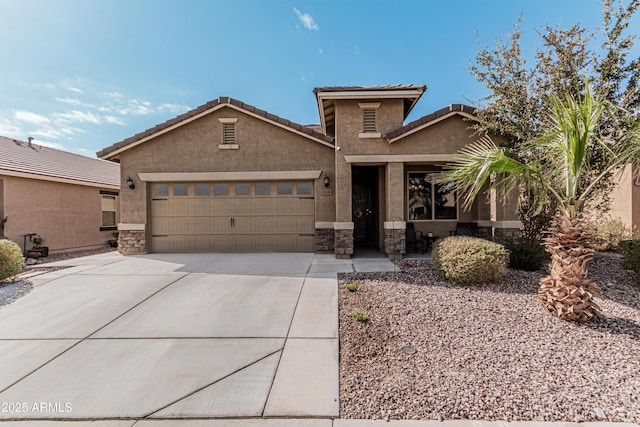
(343, 243)
(132, 242)
(394, 243)
(503, 235)
(325, 240)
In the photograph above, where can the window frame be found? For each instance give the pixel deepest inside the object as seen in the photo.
(432, 198)
(115, 196)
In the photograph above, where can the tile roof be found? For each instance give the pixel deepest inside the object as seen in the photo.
(20, 156)
(453, 108)
(308, 130)
(368, 88)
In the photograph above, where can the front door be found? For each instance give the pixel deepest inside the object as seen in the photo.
(362, 215)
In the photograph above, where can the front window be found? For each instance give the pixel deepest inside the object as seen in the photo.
(109, 206)
(430, 200)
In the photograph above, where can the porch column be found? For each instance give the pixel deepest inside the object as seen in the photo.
(343, 238)
(394, 224)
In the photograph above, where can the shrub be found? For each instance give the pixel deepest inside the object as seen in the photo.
(351, 287)
(462, 259)
(527, 255)
(607, 233)
(631, 251)
(361, 316)
(11, 260)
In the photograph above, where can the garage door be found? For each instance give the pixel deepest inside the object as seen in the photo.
(273, 216)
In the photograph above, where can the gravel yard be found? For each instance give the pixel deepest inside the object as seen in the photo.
(487, 352)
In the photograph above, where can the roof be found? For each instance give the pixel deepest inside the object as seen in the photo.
(19, 158)
(429, 119)
(204, 109)
(327, 95)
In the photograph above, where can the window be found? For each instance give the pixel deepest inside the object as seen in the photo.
(368, 120)
(263, 189)
(180, 189)
(429, 200)
(160, 190)
(285, 188)
(304, 188)
(243, 189)
(109, 207)
(220, 189)
(203, 189)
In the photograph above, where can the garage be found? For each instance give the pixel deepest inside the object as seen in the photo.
(255, 216)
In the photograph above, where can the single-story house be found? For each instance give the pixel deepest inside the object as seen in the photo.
(230, 177)
(71, 201)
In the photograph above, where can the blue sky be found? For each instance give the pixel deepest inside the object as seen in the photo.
(80, 75)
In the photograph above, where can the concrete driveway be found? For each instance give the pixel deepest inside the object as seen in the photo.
(176, 336)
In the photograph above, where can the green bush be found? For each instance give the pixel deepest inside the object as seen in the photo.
(527, 255)
(631, 251)
(462, 259)
(607, 233)
(11, 259)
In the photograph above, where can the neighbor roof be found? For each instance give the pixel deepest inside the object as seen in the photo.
(327, 95)
(203, 109)
(429, 119)
(19, 158)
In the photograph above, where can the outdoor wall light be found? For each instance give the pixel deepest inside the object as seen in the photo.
(326, 181)
(130, 183)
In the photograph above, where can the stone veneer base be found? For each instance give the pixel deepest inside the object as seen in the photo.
(325, 240)
(394, 245)
(132, 242)
(344, 243)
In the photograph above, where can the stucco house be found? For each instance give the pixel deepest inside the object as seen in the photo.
(69, 200)
(228, 176)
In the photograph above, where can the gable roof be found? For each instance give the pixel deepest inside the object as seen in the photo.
(22, 159)
(326, 96)
(430, 119)
(204, 109)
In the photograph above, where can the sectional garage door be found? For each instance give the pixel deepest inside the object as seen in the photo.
(233, 217)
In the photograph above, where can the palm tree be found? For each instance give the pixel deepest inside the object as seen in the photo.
(562, 161)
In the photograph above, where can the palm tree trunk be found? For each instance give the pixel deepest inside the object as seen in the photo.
(567, 292)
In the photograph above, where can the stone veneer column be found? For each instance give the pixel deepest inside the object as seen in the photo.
(325, 237)
(343, 239)
(394, 244)
(132, 239)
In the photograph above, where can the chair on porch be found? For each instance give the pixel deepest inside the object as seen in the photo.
(465, 229)
(414, 237)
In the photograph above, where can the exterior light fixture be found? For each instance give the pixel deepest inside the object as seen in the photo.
(130, 183)
(326, 181)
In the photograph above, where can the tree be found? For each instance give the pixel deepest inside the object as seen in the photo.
(519, 92)
(555, 171)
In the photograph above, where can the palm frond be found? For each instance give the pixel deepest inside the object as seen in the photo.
(483, 161)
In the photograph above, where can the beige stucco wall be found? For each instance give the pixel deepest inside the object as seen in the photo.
(67, 216)
(193, 147)
(625, 201)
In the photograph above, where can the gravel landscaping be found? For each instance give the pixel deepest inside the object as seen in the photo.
(487, 352)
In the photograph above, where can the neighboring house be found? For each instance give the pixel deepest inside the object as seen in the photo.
(71, 201)
(625, 201)
(227, 176)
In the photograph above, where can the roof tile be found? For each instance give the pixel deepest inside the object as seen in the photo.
(19, 156)
(429, 118)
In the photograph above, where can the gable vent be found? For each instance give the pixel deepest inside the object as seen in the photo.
(369, 120)
(229, 133)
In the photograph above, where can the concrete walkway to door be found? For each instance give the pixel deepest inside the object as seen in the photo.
(167, 336)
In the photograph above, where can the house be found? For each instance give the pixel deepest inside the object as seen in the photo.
(228, 176)
(71, 201)
(625, 200)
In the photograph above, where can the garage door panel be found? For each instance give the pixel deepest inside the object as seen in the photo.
(232, 223)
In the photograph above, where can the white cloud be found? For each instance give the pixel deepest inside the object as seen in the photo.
(114, 120)
(28, 116)
(173, 108)
(115, 95)
(307, 20)
(74, 89)
(47, 133)
(76, 116)
(70, 101)
(136, 107)
(50, 144)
